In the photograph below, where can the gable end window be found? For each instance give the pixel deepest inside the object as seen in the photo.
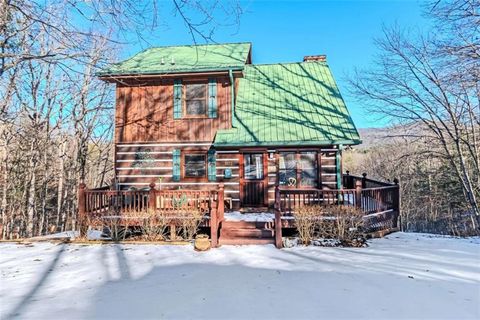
(195, 166)
(196, 100)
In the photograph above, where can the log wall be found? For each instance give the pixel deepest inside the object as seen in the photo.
(146, 135)
(138, 165)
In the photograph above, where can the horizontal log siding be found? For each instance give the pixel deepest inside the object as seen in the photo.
(137, 165)
(144, 113)
(272, 179)
(328, 169)
(140, 165)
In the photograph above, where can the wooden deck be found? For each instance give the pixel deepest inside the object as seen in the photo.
(379, 201)
(129, 207)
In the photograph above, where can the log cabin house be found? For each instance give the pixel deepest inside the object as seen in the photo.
(204, 117)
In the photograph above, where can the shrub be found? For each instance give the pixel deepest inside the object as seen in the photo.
(118, 224)
(154, 226)
(113, 224)
(343, 223)
(306, 221)
(190, 220)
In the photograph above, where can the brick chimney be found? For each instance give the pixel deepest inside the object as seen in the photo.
(320, 57)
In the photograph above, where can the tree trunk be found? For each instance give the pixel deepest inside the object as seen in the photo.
(61, 177)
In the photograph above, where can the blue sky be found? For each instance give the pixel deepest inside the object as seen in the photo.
(285, 31)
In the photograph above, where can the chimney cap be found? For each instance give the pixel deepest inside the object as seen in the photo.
(320, 57)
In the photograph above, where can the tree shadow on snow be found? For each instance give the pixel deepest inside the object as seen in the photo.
(239, 291)
(45, 275)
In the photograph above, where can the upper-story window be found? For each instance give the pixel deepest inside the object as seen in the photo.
(196, 99)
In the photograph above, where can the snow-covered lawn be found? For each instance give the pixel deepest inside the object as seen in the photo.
(400, 276)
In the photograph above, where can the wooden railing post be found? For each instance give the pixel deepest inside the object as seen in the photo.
(214, 222)
(278, 219)
(82, 210)
(217, 214)
(221, 202)
(277, 198)
(396, 203)
(358, 194)
(364, 180)
(152, 199)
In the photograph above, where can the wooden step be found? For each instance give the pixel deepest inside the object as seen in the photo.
(247, 225)
(254, 209)
(246, 233)
(245, 241)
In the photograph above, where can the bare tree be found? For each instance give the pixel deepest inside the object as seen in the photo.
(431, 82)
(55, 115)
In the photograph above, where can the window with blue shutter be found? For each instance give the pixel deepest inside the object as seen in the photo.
(177, 99)
(176, 165)
(212, 167)
(212, 98)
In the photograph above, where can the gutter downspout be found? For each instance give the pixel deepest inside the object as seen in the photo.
(232, 94)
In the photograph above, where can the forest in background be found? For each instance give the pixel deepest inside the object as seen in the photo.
(432, 198)
(426, 85)
(56, 117)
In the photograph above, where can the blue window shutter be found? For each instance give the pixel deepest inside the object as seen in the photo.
(176, 165)
(212, 98)
(177, 99)
(212, 167)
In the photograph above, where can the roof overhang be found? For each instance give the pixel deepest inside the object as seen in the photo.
(180, 74)
(278, 144)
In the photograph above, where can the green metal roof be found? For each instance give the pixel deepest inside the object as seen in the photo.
(189, 58)
(293, 104)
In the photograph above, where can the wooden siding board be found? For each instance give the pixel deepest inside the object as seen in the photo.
(144, 113)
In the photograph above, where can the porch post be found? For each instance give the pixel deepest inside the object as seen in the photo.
(221, 201)
(278, 219)
(364, 180)
(338, 162)
(217, 214)
(347, 183)
(151, 197)
(81, 209)
(213, 222)
(358, 194)
(396, 203)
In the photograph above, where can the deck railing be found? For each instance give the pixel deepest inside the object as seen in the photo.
(350, 181)
(117, 203)
(379, 201)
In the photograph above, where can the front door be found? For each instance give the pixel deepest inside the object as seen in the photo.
(253, 180)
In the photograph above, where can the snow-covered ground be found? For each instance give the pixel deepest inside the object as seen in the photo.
(411, 276)
(251, 216)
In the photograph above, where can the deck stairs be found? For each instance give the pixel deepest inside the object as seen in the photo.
(245, 232)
